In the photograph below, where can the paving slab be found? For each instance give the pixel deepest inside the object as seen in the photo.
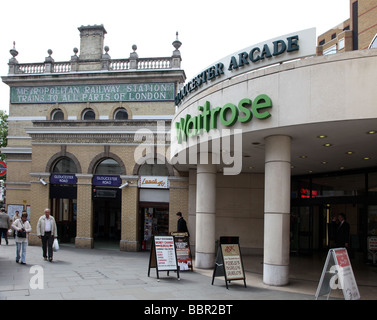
(99, 274)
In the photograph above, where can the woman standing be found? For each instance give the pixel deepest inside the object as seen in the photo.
(16, 217)
(22, 227)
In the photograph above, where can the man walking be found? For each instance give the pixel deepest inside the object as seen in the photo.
(4, 225)
(47, 231)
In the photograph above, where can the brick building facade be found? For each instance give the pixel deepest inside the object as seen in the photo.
(83, 133)
(355, 33)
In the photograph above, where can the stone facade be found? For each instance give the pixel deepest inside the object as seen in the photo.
(38, 140)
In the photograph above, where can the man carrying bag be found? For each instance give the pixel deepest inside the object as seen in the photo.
(47, 231)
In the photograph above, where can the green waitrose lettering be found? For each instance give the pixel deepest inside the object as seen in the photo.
(228, 115)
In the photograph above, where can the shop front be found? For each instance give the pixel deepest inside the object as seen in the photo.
(318, 199)
(153, 208)
(268, 116)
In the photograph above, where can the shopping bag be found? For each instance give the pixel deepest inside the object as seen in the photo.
(55, 245)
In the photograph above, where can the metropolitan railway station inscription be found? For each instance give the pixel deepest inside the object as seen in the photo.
(94, 93)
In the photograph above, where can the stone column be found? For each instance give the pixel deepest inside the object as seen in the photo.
(277, 210)
(205, 216)
(39, 201)
(130, 240)
(84, 233)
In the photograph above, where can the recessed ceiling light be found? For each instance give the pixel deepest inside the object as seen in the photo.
(372, 132)
(367, 158)
(324, 162)
(350, 152)
(303, 157)
(321, 137)
(341, 168)
(327, 145)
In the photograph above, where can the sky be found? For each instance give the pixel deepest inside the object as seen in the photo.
(208, 29)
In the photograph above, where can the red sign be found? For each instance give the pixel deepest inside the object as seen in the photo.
(342, 258)
(3, 168)
(305, 193)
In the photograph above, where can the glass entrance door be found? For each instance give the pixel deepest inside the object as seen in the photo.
(302, 230)
(65, 211)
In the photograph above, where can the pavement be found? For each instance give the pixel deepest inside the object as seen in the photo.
(99, 274)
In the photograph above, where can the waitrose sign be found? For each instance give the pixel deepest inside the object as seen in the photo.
(284, 48)
(228, 115)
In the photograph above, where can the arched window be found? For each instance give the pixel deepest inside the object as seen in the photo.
(57, 114)
(153, 170)
(108, 166)
(64, 165)
(88, 114)
(121, 114)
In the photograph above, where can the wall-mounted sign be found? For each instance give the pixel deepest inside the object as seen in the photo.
(305, 193)
(58, 178)
(110, 181)
(228, 115)
(284, 48)
(154, 182)
(94, 93)
(3, 168)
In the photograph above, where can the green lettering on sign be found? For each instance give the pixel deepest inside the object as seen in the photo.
(229, 114)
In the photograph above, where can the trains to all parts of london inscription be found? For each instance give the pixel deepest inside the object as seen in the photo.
(94, 93)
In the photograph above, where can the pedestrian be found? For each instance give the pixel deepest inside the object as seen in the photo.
(15, 217)
(4, 225)
(22, 228)
(341, 231)
(181, 223)
(47, 231)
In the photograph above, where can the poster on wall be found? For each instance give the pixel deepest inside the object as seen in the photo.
(163, 255)
(12, 208)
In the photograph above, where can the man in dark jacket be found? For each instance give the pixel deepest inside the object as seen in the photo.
(4, 225)
(181, 224)
(341, 232)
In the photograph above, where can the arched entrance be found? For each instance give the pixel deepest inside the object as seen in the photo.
(107, 202)
(63, 197)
